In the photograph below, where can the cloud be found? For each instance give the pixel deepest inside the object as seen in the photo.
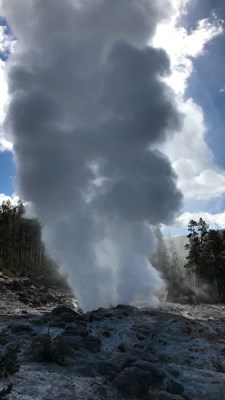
(7, 42)
(13, 199)
(5, 144)
(215, 221)
(199, 178)
(87, 105)
(7, 46)
(222, 89)
(183, 46)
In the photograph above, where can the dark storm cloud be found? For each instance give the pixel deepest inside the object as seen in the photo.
(87, 105)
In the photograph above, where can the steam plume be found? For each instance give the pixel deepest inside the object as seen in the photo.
(87, 105)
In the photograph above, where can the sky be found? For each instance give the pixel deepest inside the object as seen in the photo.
(193, 37)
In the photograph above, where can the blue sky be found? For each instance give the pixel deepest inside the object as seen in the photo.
(198, 66)
(7, 172)
(207, 82)
(7, 166)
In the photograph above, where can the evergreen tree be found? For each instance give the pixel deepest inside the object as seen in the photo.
(22, 251)
(206, 255)
(216, 260)
(197, 249)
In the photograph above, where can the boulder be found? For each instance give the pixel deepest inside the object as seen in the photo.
(93, 344)
(122, 347)
(107, 369)
(21, 328)
(133, 381)
(75, 342)
(67, 316)
(56, 312)
(57, 323)
(174, 387)
(99, 314)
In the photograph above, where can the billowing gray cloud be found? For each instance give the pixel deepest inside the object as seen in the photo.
(87, 106)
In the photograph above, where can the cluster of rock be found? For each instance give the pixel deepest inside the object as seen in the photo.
(119, 353)
(123, 369)
(32, 294)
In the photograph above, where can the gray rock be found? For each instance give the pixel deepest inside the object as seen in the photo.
(76, 329)
(122, 347)
(93, 344)
(139, 377)
(157, 375)
(133, 381)
(57, 323)
(124, 360)
(75, 342)
(99, 314)
(174, 387)
(70, 325)
(163, 396)
(106, 334)
(87, 370)
(67, 316)
(108, 370)
(20, 328)
(62, 309)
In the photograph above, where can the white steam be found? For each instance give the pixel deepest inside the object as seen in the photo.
(87, 104)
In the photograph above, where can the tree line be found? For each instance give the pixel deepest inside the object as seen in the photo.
(206, 255)
(203, 265)
(22, 251)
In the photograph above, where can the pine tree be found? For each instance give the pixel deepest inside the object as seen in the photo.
(197, 248)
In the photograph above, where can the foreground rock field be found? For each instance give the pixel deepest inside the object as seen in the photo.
(172, 353)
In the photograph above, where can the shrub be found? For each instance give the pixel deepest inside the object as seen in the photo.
(48, 349)
(9, 365)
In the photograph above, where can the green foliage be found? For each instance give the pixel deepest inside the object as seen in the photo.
(197, 257)
(48, 349)
(21, 250)
(206, 255)
(3, 337)
(6, 390)
(9, 363)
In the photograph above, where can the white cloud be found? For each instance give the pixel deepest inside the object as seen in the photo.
(199, 177)
(7, 42)
(183, 46)
(214, 220)
(3, 90)
(7, 45)
(13, 198)
(4, 143)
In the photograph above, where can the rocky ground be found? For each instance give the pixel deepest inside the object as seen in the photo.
(172, 353)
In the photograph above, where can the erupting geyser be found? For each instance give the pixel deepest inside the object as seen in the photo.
(87, 107)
